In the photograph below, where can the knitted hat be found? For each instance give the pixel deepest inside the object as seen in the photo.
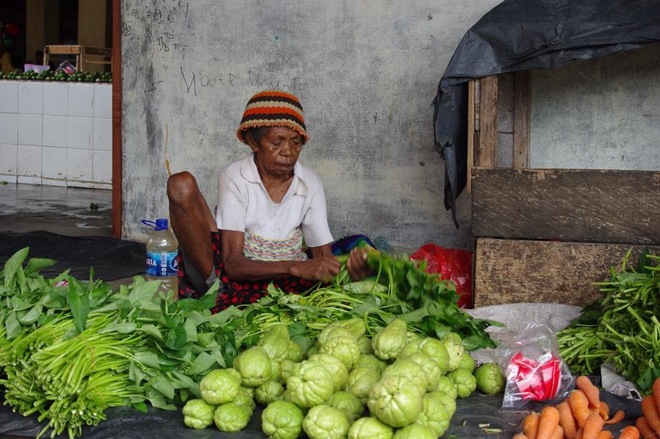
(273, 108)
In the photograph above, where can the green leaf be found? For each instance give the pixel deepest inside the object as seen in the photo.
(32, 315)
(176, 337)
(203, 362)
(163, 385)
(79, 304)
(14, 265)
(148, 358)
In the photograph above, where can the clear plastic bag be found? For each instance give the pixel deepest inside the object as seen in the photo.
(532, 366)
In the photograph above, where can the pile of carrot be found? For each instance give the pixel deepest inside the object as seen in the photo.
(649, 423)
(582, 415)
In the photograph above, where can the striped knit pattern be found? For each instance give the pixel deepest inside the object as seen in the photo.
(290, 249)
(273, 108)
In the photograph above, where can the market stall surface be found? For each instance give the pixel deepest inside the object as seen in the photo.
(32, 210)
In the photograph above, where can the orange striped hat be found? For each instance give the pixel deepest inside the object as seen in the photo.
(273, 108)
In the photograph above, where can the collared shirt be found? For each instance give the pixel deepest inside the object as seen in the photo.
(273, 231)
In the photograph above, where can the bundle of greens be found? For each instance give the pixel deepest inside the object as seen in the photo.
(70, 349)
(621, 328)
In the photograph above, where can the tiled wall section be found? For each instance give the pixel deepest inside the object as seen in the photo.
(56, 134)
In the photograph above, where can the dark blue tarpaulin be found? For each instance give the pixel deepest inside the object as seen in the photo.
(524, 35)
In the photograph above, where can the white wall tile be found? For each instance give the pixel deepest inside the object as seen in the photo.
(9, 128)
(56, 130)
(81, 100)
(28, 179)
(81, 132)
(54, 163)
(9, 93)
(30, 97)
(103, 100)
(30, 129)
(8, 159)
(29, 161)
(80, 164)
(103, 133)
(8, 178)
(56, 98)
(54, 182)
(102, 166)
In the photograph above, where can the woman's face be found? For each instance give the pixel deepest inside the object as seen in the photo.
(277, 151)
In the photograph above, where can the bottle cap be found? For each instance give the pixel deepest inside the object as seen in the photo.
(161, 224)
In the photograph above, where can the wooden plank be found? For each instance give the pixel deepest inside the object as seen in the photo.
(565, 204)
(486, 148)
(521, 119)
(520, 271)
(470, 133)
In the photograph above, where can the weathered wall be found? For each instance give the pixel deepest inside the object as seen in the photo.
(366, 72)
(598, 114)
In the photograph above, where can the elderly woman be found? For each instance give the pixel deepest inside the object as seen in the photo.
(270, 223)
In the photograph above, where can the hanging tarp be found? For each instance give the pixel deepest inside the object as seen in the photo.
(523, 35)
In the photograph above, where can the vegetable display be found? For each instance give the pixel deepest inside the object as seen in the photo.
(621, 328)
(71, 349)
(583, 415)
(396, 400)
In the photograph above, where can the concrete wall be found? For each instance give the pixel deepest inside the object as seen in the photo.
(366, 72)
(598, 114)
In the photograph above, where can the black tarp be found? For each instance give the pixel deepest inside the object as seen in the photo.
(525, 35)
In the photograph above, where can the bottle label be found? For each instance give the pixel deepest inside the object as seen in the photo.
(162, 264)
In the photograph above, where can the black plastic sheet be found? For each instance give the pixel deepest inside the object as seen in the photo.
(110, 258)
(524, 35)
(477, 417)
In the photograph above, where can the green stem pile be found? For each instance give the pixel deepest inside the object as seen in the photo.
(621, 328)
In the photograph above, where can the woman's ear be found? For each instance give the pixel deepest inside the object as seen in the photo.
(251, 142)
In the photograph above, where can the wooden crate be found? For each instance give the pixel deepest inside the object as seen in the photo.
(533, 271)
(83, 55)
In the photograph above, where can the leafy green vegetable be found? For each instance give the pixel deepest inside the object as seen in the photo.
(621, 327)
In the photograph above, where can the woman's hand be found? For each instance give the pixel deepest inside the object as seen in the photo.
(320, 268)
(357, 264)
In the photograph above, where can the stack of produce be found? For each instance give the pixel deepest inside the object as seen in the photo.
(583, 415)
(396, 384)
(70, 349)
(621, 328)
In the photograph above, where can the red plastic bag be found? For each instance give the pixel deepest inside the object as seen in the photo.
(451, 264)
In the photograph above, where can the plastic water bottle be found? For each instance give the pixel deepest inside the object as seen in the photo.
(162, 249)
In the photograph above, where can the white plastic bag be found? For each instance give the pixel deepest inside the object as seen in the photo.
(532, 366)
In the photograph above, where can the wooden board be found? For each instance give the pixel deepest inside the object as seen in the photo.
(569, 205)
(523, 271)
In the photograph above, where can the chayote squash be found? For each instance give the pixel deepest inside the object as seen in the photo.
(389, 341)
(282, 420)
(395, 402)
(310, 384)
(370, 427)
(325, 422)
(220, 386)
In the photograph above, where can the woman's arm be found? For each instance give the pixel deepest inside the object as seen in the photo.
(323, 266)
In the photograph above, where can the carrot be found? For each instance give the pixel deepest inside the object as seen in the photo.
(650, 412)
(618, 417)
(655, 389)
(531, 425)
(645, 430)
(604, 434)
(592, 426)
(520, 436)
(566, 419)
(629, 432)
(591, 391)
(603, 410)
(580, 406)
(548, 422)
(558, 433)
